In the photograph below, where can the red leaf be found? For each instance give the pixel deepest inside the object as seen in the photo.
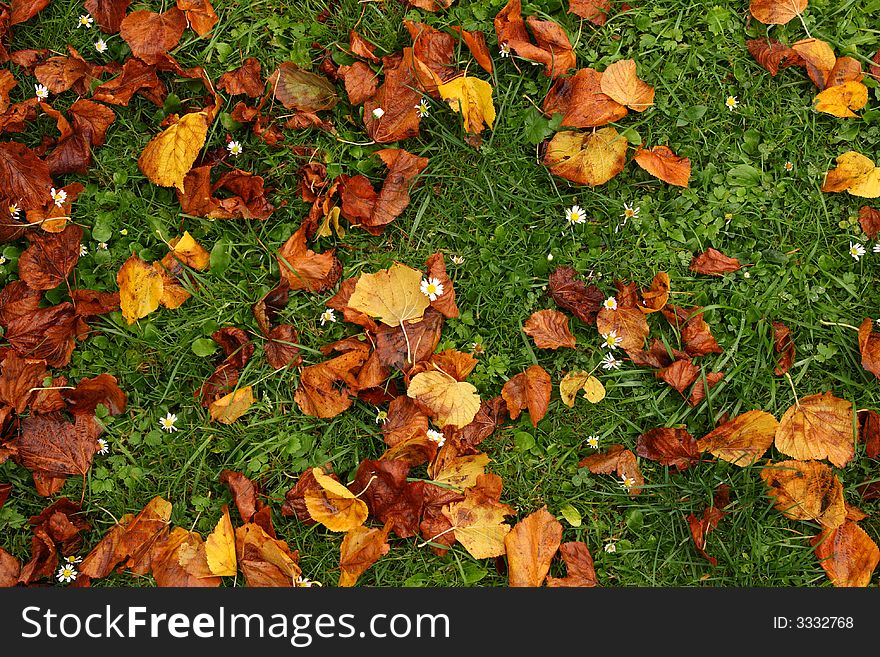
(700, 527)
(670, 446)
(714, 263)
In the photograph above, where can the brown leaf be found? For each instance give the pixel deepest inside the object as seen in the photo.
(662, 163)
(265, 560)
(303, 269)
(772, 55)
(479, 520)
(574, 295)
(621, 83)
(530, 390)
(51, 444)
(869, 432)
(433, 52)
(619, 460)
(581, 102)
(244, 494)
(199, 14)
(245, 79)
(9, 569)
(579, 563)
(695, 333)
(776, 12)
(397, 97)
(360, 47)
(869, 346)
(281, 347)
(869, 220)
(531, 546)
(17, 300)
(586, 158)
(655, 298)
(23, 10)
(669, 446)
(701, 388)
(551, 46)
(88, 393)
(43, 561)
(390, 498)
(360, 549)
(595, 11)
(50, 258)
(680, 375)
(363, 207)
(178, 560)
(656, 356)
(714, 263)
(700, 527)
(87, 128)
(847, 554)
(318, 395)
(806, 490)
(743, 440)
(302, 90)
(476, 43)
(151, 35)
(360, 81)
(136, 78)
(784, 346)
(628, 326)
(267, 308)
(19, 377)
(818, 427)
(23, 176)
(421, 338)
(46, 333)
(108, 14)
(333, 505)
(61, 73)
(294, 499)
(549, 330)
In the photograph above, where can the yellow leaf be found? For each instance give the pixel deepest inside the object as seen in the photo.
(393, 295)
(472, 97)
(842, 99)
(140, 288)
(868, 186)
(170, 154)
(220, 547)
(360, 549)
(333, 505)
(479, 524)
(460, 472)
(818, 427)
(593, 389)
(330, 224)
(190, 252)
(230, 407)
(453, 402)
(852, 168)
(588, 158)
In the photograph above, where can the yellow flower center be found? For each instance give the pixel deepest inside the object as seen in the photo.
(431, 288)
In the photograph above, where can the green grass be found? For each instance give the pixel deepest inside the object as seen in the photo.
(504, 213)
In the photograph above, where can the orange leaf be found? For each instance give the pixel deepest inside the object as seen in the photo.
(199, 14)
(818, 427)
(360, 549)
(783, 345)
(669, 446)
(264, 560)
(579, 562)
(847, 554)
(818, 58)
(869, 346)
(150, 36)
(245, 79)
(806, 490)
(319, 395)
(621, 83)
(303, 269)
(333, 505)
(476, 43)
(655, 298)
(531, 546)
(714, 263)
(230, 407)
(551, 48)
(590, 158)
(619, 460)
(743, 440)
(700, 527)
(628, 325)
(662, 163)
(772, 55)
(595, 11)
(869, 220)
(776, 12)
(549, 330)
(530, 389)
(842, 99)
(581, 102)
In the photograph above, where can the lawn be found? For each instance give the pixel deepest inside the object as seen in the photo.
(502, 214)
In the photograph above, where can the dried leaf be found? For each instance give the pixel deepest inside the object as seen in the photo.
(551, 48)
(549, 330)
(669, 446)
(595, 11)
(869, 220)
(579, 563)
(628, 324)
(140, 288)
(361, 83)
(869, 346)
(245, 79)
(772, 55)
(298, 89)
(170, 154)
(88, 393)
(842, 100)
(818, 58)
(574, 296)
(318, 395)
(776, 12)
(391, 295)
(50, 258)
(52, 445)
(590, 158)
(476, 43)
(220, 547)
(806, 490)
(818, 427)
(23, 176)
(619, 460)
(621, 83)
(479, 523)
(847, 554)
(714, 263)
(230, 407)
(398, 98)
(451, 402)
(108, 14)
(150, 36)
(743, 440)
(472, 98)
(264, 560)
(700, 527)
(333, 505)
(531, 546)
(580, 380)
(581, 102)
(662, 163)
(199, 14)
(530, 390)
(303, 269)
(360, 549)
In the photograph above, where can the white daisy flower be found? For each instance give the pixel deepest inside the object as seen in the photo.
(72, 559)
(610, 547)
(437, 437)
(431, 288)
(457, 259)
(66, 574)
(593, 442)
(381, 416)
(305, 582)
(84, 21)
(549, 257)
(327, 316)
(789, 166)
(423, 108)
(103, 446)
(378, 113)
(2, 259)
(576, 215)
(234, 148)
(167, 423)
(504, 50)
(876, 248)
(101, 46)
(83, 250)
(610, 303)
(627, 482)
(612, 340)
(103, 246)
(42, 91)
(14, 210)
(731, 103)
(609, 362)
(59, 196)
(477, 348)
(629, 212)
(856, 250)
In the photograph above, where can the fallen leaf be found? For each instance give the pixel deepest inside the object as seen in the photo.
(451, 402)
(136, 78)
(776, 12)
(818, 427)
(9, 569)
(742, 440)
(19, 377)
(23, 175)
(458, 472)
(714, 263)
(303, 269)
(549, 330)
(264, 560)
(281, 347)
(220, 547)
(619, 460)
(847, 554)
(869, 346)
(398, 98)
(472, 98)
(806, 490)
(581, 102)
(551, 47)
(674, 447)
(700, 527)
(360, 47)
(662, 163)
(178, 560)
(701, 388)
(52, 445)
(655, 297)
(530, 547)
(784, 346)
(199, 14)
(391, 295)
(47, 333)
(772, 55)
(476, 43)
(586, 158)
(574, 295)
(170, 154)
(818, 58)
(150, 36)
(245, 79)
(140, 288)
(333, 505)
(628, 324)
(680, 375)
(50, 258)
(530, 390)
(390, 498)
(478, 522)
(842, 100)
(88, 393)
(319, 394)
(302, 90)
(573, 382)
(621, 83)
(361, 83)
(869, 220)
(869, 432)
(360, 549)
(595, 11)
(108, 14)
(579, 562)
(230, 407)
(147, 528)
